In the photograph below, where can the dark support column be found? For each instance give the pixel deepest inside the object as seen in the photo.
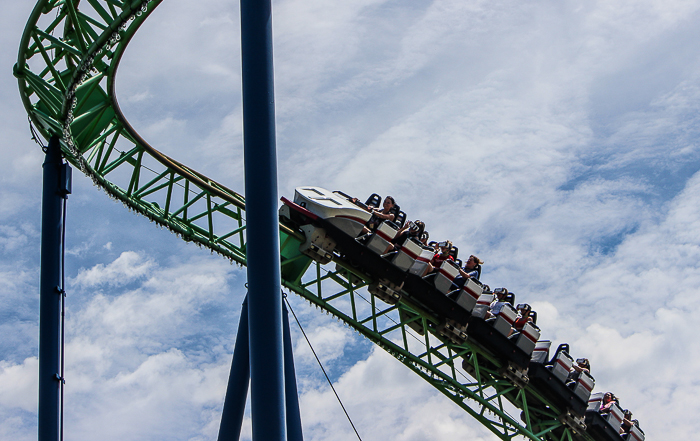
(50, 296)
(262, 224)
(237, 391)
(294, 432)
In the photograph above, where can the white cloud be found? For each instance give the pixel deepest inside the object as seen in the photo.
(121, 364)
(160, 306)
(167, 383)
(329, 343)
(129, 266)
(618, 352)
(138, 97)
(15, 428)
(19, 385)
(11, 238)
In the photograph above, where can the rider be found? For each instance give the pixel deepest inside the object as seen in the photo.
(471, 270)
(412, 230)
(388, 212)
(443, 255)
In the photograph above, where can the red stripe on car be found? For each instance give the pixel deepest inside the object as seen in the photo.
(449, 276)
(298, 208)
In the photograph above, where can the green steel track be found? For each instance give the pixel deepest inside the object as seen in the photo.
(66, 68)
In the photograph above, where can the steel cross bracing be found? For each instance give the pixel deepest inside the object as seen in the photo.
(484, 393)
(67, 62)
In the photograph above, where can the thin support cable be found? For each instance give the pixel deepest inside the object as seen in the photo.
(63, 310)
(36, 137)
(322, 369)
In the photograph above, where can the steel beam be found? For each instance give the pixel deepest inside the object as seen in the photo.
(262, 250)
(238, 380)
(294, 431)
(50, 293)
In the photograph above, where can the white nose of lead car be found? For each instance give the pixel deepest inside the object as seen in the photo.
(333, 207)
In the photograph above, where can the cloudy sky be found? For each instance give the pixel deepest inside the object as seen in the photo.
(557, 140)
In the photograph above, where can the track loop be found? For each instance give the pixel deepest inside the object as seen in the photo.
(66, 83)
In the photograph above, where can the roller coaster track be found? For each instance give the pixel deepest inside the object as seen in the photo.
(66, 68)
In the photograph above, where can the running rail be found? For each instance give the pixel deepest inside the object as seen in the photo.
(66, 67)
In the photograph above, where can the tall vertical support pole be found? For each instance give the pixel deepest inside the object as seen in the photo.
(237, 390)
(262, 224)
(50, 296)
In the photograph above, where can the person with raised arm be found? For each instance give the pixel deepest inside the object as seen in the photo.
(627, 423)
(441, 256)
(608, 400)
(523, 316)
(388, 212)
(471, 270)
(413, 230)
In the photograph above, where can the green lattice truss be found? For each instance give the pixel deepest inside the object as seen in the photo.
(68, 58)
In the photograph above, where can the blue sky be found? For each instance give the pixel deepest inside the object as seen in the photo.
(556, 140)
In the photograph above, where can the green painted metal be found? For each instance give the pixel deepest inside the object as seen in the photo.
(68, 58)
